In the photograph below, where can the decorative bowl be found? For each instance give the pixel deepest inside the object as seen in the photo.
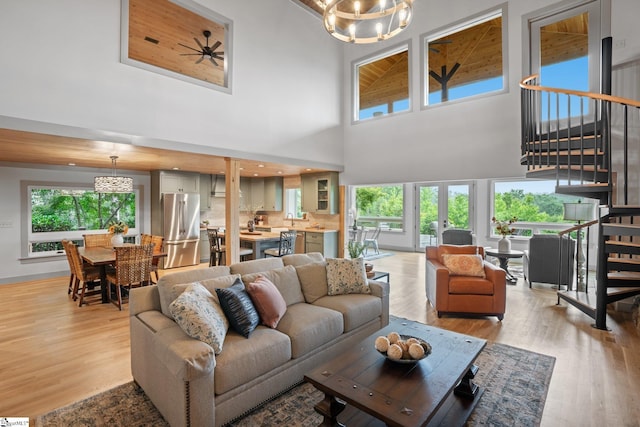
(423, 343)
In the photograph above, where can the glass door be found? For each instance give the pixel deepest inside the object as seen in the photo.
(441, 206)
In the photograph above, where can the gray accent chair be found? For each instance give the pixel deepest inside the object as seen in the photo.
(543, 262)
(457, 236)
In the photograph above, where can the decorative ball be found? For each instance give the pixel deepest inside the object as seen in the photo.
(413, 341)
(382, 344)
(416, 351)
(394, 352)
(394, 337)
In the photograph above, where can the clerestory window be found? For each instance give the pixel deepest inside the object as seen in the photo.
(466, 59)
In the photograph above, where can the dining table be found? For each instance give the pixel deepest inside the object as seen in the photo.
(102, 257)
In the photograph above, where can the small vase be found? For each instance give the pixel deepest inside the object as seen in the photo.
(504, 244)
(117, 239)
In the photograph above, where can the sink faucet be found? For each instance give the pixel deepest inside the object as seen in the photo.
(290, 215)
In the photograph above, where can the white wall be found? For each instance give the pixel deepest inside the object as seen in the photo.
(60, 63)
(462, 140)
(12, 267)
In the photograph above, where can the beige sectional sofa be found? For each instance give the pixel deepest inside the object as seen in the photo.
(191, 386)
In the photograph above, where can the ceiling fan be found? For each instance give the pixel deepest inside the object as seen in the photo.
(433, 49)
(206, 50)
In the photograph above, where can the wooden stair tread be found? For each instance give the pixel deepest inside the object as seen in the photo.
(624, 276)
(629, 261)
(573, 152)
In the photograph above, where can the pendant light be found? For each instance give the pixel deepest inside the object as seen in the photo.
(113, 183)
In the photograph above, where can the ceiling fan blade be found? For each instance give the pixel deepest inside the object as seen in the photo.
(215, 45)
(200, 60)
(218, 54)
(191, 54)
(213, 61)
(189, 47)
(199, 44)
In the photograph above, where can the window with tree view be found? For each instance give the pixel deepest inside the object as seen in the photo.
(380, 206)
(58, 213)
(534, 203)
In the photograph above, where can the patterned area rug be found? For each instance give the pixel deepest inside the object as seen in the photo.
(516, 382)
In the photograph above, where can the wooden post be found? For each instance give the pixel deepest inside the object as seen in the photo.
(341, 228)
(232, 211)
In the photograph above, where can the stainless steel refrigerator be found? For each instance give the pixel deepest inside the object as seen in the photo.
(181, 228)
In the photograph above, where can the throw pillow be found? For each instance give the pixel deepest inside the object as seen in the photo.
(313, 280)
(238, 308)
(200, 316)
(464, 265)
(346, 276)
(268, 301)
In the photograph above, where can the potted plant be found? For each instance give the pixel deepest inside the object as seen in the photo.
(355, 249)
(504, 229)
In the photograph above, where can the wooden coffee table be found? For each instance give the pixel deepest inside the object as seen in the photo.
(362, 387)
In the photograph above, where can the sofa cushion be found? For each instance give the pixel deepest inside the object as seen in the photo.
(469, 285)
(356, 309)
(285, 279)
(301, 259)
(200, 316)
(238, 308)
(256, 265)
(313, 280)
(346, 276)
(167, 281)
(210, 284)
(464, 265)
(243, 360)
(309, 326)
(267, 300)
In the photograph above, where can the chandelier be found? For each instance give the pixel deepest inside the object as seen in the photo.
(113, 183)
(366, 21)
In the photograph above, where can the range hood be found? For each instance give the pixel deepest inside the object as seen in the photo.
(217, 186)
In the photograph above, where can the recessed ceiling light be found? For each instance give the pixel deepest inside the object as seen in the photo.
(222, 172)
(255, 174)
(308, 169)
(175, 168)
(241, 169)
(260, 166)
(71, 164)
(280, 172)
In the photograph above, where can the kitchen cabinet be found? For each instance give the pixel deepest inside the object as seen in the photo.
(324, 242)
(205, 192)
(262, 194)
(177, 182)
(273, 188)
(320, 193)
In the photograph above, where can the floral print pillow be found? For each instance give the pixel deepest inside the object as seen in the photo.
(346, 276)
(200, 316)
(464, 265)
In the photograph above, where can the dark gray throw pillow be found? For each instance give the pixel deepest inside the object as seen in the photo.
(238, 308)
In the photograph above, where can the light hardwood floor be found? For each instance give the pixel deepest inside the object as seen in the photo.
(54, 353)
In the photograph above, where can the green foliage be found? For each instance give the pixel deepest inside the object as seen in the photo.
(55, 209)
(384, 201)
(355, 249)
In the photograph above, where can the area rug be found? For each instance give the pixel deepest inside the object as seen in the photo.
(516, 382)
(378, 256)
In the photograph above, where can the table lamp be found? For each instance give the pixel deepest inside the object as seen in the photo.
(579, 212)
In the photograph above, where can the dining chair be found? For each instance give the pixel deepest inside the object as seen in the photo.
(133, 269)
(86, 277)
(145, 239)
(157, 242)
(97, 240)
(72, 276)
(286, 245)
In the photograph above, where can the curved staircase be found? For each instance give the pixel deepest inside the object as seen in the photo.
(581, 139)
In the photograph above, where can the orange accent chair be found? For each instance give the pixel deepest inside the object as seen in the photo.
(457, 293)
